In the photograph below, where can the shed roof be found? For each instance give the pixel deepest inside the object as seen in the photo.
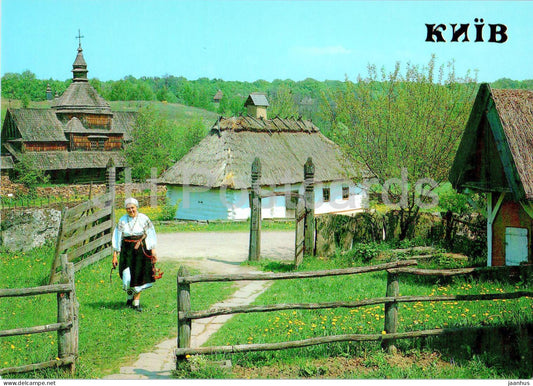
(508, 115)
(224, 158)
(256, 99)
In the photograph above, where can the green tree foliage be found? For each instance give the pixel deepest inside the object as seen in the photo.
(404, 128)
(283, 104)
(28, 173)
(158, 143)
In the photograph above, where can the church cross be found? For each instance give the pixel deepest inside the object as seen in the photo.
(79, 37)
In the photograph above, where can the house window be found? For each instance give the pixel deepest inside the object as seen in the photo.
(326, 194)
(97, 142)
(345, 192)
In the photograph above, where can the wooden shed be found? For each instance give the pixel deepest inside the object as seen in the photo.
(495, 156)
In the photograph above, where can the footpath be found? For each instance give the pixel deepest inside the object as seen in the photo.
(160, 362)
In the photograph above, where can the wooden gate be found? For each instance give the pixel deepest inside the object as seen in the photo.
(85, 231)
(300, 232)
(304, 213)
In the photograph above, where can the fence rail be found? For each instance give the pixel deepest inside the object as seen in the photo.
(66, 325)
(391, 301)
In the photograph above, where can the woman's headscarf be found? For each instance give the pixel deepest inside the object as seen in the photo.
(131, 200)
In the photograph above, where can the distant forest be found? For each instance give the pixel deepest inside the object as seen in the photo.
(307, 95)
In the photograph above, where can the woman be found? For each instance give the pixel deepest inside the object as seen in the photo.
(134, 239)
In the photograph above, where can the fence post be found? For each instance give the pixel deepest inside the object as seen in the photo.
(254, 251)
(391, 310)
(66, 311)
(184, 307)
(309, 196)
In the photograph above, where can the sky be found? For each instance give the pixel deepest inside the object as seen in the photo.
(261, 39)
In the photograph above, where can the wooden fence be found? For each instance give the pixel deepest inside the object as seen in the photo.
(391, 301)
(66, 325)
(85, 233)
(86, 230)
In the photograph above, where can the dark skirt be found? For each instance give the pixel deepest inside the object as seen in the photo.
(139, 264)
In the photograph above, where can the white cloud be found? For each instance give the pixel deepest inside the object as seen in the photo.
(320, 51)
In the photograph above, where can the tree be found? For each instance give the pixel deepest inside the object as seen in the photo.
(28, 173)
(283, 104)
(151, 144)
(404, 129)
(158, 143)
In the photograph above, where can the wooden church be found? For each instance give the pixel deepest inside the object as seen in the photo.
(495, 157)
(73, 140)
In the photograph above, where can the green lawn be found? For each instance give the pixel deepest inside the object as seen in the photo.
(454, 357)
(110, 335)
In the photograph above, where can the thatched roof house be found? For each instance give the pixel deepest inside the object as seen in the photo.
(218, 96)
(74, 139)
(495, 156)
(222, 162)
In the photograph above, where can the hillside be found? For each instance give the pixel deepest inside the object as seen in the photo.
(183, 116)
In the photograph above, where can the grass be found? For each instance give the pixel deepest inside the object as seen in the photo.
(110, 335)
(221, 226)
(454, 357)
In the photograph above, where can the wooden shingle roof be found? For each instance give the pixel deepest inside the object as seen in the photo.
(81, 97)
(37, 124)
(63, 160)
(256, 99)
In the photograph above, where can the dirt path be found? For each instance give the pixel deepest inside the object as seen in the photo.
(221, 252)
(214, 252)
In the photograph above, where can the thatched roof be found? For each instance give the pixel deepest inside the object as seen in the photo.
(218, 96)
(500, 126)
(224, 158)
(515, 109)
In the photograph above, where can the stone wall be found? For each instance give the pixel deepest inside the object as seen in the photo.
(68, 192)
(23, 230)
(10, 188)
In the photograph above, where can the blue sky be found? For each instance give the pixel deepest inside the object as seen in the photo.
(251, 40)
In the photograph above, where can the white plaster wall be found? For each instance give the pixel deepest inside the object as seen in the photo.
(196, 203)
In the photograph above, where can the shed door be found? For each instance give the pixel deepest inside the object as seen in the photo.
(515, 245)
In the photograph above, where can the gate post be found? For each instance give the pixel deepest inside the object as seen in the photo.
(254, 250)
(309, 197)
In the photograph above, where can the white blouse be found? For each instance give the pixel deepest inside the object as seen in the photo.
(134, 226)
